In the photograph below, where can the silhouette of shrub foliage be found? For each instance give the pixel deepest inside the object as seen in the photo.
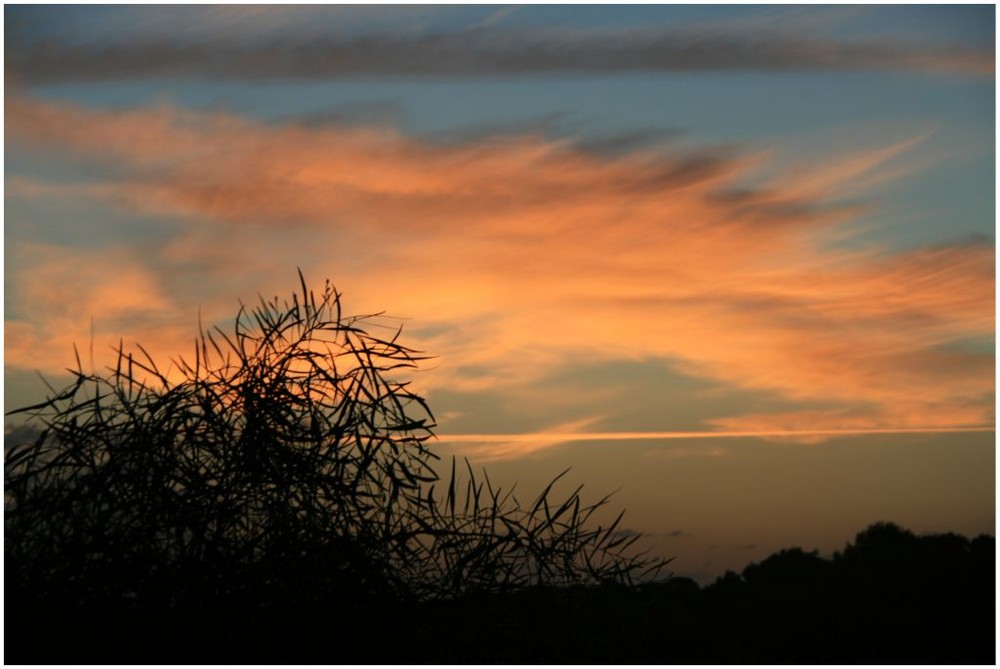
(285, 462)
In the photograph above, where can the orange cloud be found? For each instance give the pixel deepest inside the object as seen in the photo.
(92, 302)
(517, 256)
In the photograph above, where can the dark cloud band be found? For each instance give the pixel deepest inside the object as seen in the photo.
(476, 52)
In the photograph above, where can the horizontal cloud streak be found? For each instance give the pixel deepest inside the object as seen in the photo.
(473, 52)
(511, 446)
(547, 437)
(520, 256)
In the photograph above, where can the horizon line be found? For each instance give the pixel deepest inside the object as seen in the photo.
(728, 434)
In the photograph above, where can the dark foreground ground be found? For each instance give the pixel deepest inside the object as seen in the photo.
(890, 598)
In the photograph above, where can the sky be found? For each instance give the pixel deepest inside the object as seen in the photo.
(735, 262)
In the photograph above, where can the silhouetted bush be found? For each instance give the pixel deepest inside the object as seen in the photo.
(284, 465)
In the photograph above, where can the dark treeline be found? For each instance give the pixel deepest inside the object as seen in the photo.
(889, 597)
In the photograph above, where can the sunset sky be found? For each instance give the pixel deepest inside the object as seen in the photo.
(737, 262)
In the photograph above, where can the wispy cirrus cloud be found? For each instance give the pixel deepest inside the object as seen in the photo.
(519, 255)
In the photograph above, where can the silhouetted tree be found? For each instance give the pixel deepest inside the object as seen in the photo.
(787, 566)
(790, 574)
(730, 580)
(882, 543)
